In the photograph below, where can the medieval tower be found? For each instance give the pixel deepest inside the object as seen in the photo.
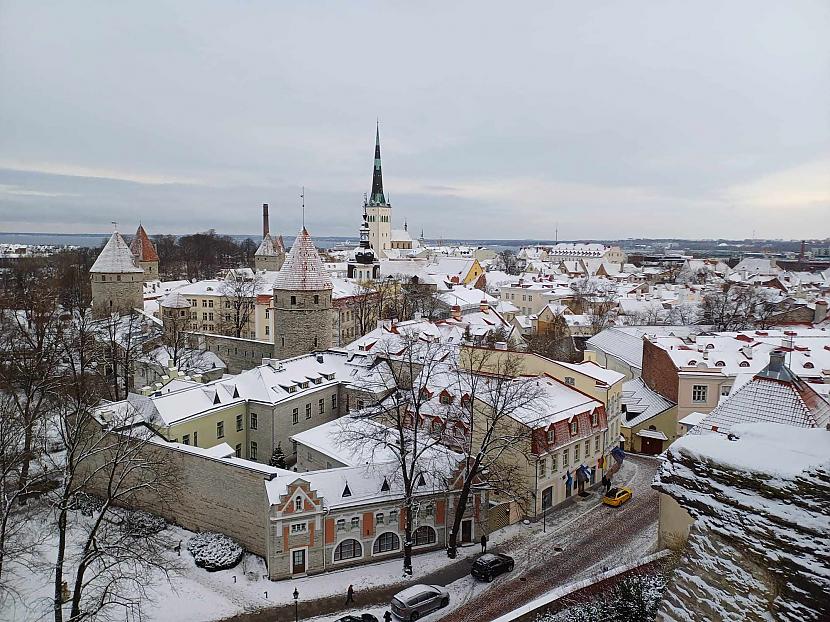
(302, 301)
(145, 254)
(378, 210)
(271, 253)
(117, 281)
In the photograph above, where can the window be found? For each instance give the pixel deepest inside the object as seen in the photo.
(294, 447)
(424, 535)
(379, 518)
(576, 453)
(574, 427)
(220, 429)
(355, 522)
(386, 542)
(267, 330)
(587, 448)
(596, 443)
(594, 419)
(239, 450)
(699, 392)
(321, 406)
(253, 450)
(341, 524)
(316, 299)
(186, 439)
(299, 528)
(553, 466)
(333, 400)
(254, 421)
(195, 439)
(570, 381)
(103, 278)
(308, 411)
(551, 436)
(348, 549)
(210, 304)
(565, 458)
(204, 316)
(725, 389)
(295, 416)
(393, 517)
(267, 314)
(239, 423)
(293, 300)
(542, 465)
(118, 277)
(360, 404)
(204, 304)
(298, 504)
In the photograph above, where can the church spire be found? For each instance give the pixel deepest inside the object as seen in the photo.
(377, 197)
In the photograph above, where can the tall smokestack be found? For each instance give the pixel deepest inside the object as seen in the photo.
(801, 254)
(264, 219)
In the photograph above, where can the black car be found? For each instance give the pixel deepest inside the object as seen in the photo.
(490, 565)
(363, 617)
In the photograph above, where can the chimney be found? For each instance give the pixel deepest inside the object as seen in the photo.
(776, 361)
(264, 219)
(456, 312)
(484, 306)
(821, 311)
(801, 252)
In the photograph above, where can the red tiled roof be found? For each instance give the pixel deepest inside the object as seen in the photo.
(142, 247)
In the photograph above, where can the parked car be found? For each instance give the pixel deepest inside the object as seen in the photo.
(615, 497)
(363, 617)
(490, 565)
(418, 600)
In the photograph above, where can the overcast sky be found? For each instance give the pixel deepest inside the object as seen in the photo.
(498, 119)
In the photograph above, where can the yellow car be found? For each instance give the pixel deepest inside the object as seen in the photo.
(617, 496)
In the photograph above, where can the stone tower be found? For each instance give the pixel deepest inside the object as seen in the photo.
(302, 301)
(175, 316)
(378, 209)
(271, 253)
(365, 265)
(145, 254)
(117, 282)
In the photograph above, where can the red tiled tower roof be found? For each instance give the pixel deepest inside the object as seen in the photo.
(142, 247)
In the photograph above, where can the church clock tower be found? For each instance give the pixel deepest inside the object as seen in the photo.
(377, 208)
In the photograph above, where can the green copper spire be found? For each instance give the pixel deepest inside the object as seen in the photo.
(377, 197)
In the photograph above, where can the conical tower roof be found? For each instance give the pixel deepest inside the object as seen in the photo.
(115, 258)
(303, 269)
(142, 247)
(377, 197)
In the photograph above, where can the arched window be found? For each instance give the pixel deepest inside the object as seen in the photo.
(424, 535)
(298, 504)
(386, 542)
(743, 364)
(348, 549)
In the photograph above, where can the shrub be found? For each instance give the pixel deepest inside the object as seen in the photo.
(214, 551)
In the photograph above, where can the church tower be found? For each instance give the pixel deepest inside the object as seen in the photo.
(117, 282)
(365, 265)
(377, 208)
(302, 301)
(145, 254)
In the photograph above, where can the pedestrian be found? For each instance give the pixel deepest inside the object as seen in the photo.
(483, 543)
(387, 617)
(350, 595)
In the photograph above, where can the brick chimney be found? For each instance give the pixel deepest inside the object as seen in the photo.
(821, 311)
(484, 306)
(456, 312)
(264, 219)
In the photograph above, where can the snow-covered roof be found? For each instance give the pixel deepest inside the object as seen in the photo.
(270, 247)
(592, 370)
(619, 344)
(327, 439)
(303, 268)
(556, 402)
(115, 258)
(641, 403)
(175, 300)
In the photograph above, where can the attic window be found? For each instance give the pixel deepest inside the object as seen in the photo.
(346, 492)
(574, 427)
(594, 419)
(743, 364)
(421, 481)
(216, 399)
(692, 363)
(235, 391)
(551, 435)
(808, 365)
(720, 364)
(384, 487)
(570, 381)
(710, 346)
(298, 504)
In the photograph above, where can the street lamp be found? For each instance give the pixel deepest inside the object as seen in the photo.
(296, 614)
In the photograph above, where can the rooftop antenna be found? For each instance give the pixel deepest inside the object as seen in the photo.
(557, 233)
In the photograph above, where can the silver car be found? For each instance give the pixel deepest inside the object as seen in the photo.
(418, 600)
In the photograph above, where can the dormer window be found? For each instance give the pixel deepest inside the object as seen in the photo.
(298, 504)
(574, 428)
(594, 419)
(384, 487)
(809, 365)
(421, 481)
(743, 364)
(569, 381)
(720, 364)
(446, 398)
(346, 491)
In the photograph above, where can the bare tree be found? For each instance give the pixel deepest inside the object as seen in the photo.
(120, 339)
(409, 364)
(738, 307)
(366, 306)
(238, 301)
(492, 393)
(108, 452)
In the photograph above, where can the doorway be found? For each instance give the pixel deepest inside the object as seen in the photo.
(298, 561)
(467, 530)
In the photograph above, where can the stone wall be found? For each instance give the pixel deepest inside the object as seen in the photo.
(109, 295)
(305, 325)
(239, 354)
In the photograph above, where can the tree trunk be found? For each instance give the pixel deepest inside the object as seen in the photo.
(58, 595)
(460, 508)
(407, 543)
(23, 480)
